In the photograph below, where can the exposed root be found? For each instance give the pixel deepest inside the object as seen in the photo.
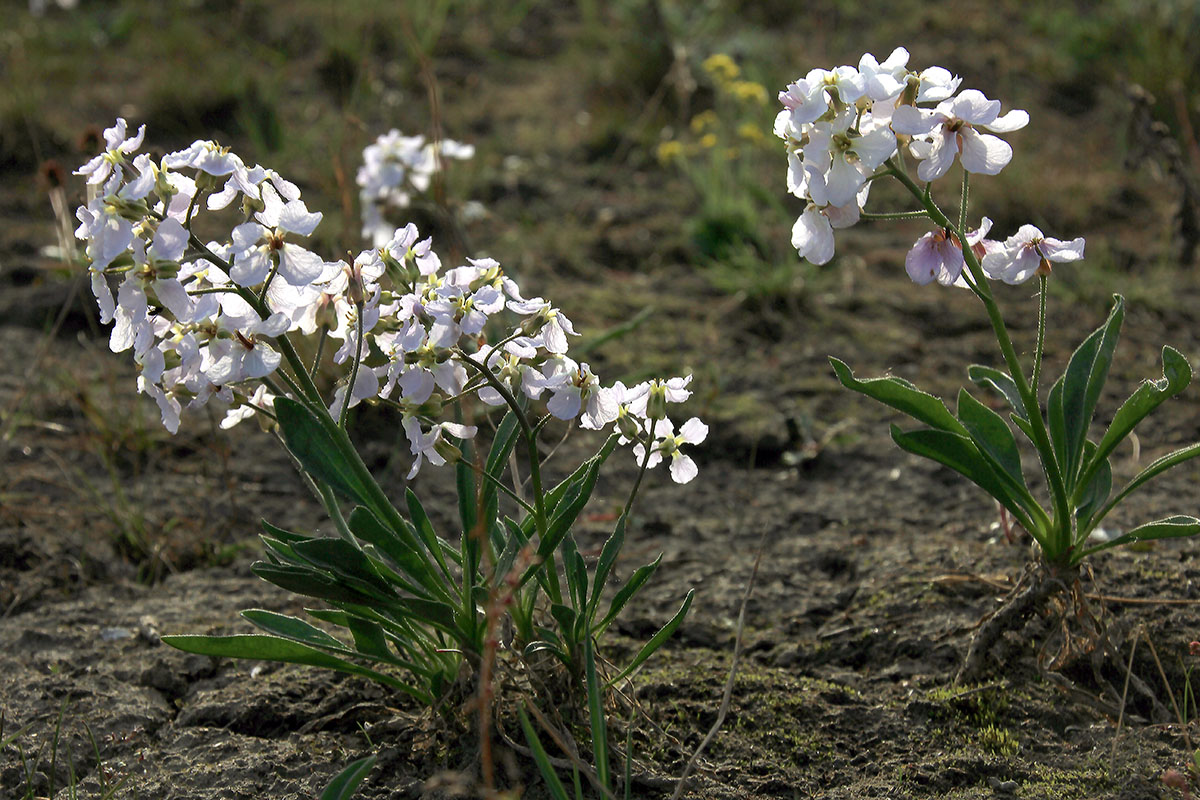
(1036, 587)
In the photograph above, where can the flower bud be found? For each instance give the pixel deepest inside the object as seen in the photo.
(251, 206)
(656, 402)
(627, 426)
(431, 408)
(447, 451)
(206, 182)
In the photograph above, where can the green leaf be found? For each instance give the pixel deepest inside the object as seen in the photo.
(317, 451)
(1177, 374)
(999, 382)
(311, 582)
(902, 396)
(568, 510)
(554, 497)
(608, 557)
(345, 783)
(992, 437)
(345, 561)
(1094, 494)
(404, 549)
(565, 617)
(293, 628)
(369, 638)
(636, 581)
(657, 640)
(1082, 384)
(286, 537)
(1156, 468)
(424, 529)
(549, 776)
(959, 454)
(274, 648)
(1170, 528)
(596, 714)
(1058, 429)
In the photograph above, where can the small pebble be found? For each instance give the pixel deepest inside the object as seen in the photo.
(114, 634)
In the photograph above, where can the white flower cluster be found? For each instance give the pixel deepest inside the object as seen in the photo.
(394, 167)
(210, 319)
(840, 126)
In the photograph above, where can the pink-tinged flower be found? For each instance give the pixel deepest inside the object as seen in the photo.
(950, 131)
(809, 98)
(812, 235)
(938, 256)
(667, 444)
(1027, 253)
(842, 159)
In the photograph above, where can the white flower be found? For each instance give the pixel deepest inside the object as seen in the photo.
(433, 445)
(256, 243)
(950, 130)
(117, 146)
(1027, 253)
(667, 445)
(574, 388)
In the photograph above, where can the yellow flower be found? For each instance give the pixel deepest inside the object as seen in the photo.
(749, 91)
(669, 151)
(704, 120)
(750, 132)
(721, 66)
(708, 140)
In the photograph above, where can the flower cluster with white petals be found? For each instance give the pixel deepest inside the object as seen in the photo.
(213, 319)
(395, 167)
(846, 127)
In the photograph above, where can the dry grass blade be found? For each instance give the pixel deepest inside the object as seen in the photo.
(728, 693)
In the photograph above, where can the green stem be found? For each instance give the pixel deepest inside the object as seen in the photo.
(641, 470)
(312, 373)
(1060, 537)
(1041, 335)
(358, 346)
(535, 472)
(894, 215)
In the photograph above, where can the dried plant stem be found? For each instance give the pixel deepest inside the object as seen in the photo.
(1187, 739)
(725, 698)
(1112, 758)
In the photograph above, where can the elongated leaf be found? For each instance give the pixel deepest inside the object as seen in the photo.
(1094, 494)
(424, 529)
(369, 638)
(568, 510)
(549, 776)
(608, 557)
(1083, 382)
(345, 783)
(508, 554)
(959, 454)
(1058, 428)
(274, 648)
(317, 451)
(626, 593)
(554, 497)
(1170, 528)
(507, 435)
(404, 549)
(345, 561)
(1156, 468)
(657, 640)
(310, 582)
(564, 615)
(596, 713)
(1177, 374)
(293, 628)
(286, 537)
(1001, 383)
(902, 396)
(992, 437)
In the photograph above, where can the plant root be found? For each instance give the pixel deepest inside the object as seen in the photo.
(1037, 586)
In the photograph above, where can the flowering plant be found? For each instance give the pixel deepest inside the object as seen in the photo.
(215, 321)
(846, 128)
